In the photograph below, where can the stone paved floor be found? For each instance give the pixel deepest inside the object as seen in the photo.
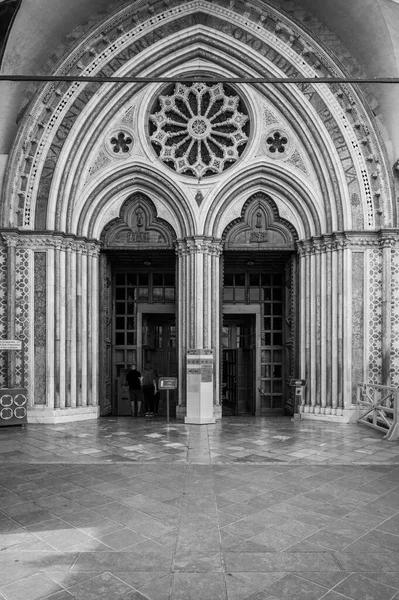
(247, 509)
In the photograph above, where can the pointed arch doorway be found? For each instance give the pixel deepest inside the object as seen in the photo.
(138, 301)
(259, 338)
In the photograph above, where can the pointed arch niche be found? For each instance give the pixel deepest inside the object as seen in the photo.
(260, 227)
(138, 228)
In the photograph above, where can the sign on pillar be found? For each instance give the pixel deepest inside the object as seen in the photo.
(199, 387)
(13, 400)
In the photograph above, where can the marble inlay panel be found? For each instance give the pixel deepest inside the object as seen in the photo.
(3, 314)
(40, 327)
(357, 319)
(375, 317)
(395, 319)
(22, 282)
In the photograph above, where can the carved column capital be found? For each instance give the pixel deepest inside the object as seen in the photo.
(199, 244)
(10, 239)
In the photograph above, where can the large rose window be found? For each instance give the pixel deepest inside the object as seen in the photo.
(199, 129)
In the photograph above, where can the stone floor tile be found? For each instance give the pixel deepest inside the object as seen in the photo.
(237, 589)
(159, 589)
(62, 595)
(274, 540)
(360, 546)
(325, 579)
(121, 539)
(332, 595)
(140, 579)
(382, 539)
(296, 528)
(391, 525)
(330, 539)
(359, 587)
(258, 580)
(31, 587)
(291, 586)
(362, 562)
(305, 546)
(100, 587)
(274, 561)
(390, 579)
(194, 562)
(194, 586)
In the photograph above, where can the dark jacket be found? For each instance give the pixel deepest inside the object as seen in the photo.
(133, 379)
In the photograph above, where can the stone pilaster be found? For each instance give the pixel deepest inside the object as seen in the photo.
(325, 332)
(198, 310)
(55, 278)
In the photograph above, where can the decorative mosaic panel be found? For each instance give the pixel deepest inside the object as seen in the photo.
(395, 319)
(3, 314)
(40, 327)
(375, 316)
(22, 313)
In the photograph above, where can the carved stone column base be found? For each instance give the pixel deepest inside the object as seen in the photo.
(37, 414)
(217, 412)
(341, 415)
(181, 412)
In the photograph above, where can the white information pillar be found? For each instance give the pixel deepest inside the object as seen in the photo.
(199, 387)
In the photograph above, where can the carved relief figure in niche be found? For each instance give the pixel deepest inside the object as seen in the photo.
(258, 220)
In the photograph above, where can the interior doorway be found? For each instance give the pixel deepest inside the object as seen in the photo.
(258, 332)
(143, 319)
(159, 347)
(238, 364)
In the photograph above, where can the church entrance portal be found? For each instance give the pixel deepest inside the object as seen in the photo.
(143, 317)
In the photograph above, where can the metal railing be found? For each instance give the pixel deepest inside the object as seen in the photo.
(377, 406)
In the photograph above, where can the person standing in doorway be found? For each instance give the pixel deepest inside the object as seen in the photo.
(149, 384)
(133, 379)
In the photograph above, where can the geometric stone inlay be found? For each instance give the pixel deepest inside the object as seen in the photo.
(6, 400)
(6, 413)
(20, 399)
(3, 316)
(20, 412)
(22, 284)
(375, 317)
(395, 319)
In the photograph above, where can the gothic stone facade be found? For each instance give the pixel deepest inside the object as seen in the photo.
(200, 168)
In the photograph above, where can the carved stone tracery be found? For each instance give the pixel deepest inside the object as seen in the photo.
(119, 44)
(199, 128)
